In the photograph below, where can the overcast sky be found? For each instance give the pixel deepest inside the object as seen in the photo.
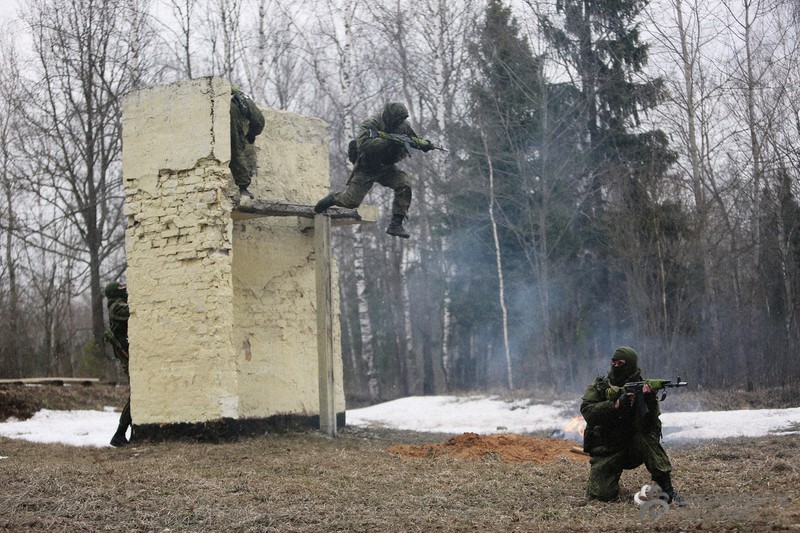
(7, 9)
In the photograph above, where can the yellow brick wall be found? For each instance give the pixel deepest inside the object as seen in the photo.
(223, 320)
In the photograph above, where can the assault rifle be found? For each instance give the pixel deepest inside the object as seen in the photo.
(111, 338)
(637, 389)
(408, 142)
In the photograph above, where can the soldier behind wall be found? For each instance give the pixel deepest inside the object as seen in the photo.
(117, 335)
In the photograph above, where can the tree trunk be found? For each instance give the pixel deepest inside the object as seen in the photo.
(499, 260)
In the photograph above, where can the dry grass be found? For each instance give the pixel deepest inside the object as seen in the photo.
(21, 401)
(307, 482)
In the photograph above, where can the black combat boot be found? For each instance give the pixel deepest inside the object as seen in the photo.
(665, 482)
(244, 192)
(324, 204)
(119, 439)
(396, 228)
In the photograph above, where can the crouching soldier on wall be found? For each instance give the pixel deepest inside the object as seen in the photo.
(618, 436)
(247, 122)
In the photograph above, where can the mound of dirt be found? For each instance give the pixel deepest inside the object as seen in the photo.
(507, 447)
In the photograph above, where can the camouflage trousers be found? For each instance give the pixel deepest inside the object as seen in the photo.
(243, 154)
(608, 463)
(362, 181)
(125, 419)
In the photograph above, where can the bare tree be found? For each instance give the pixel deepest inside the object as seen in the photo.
(87, 53)
(51, 254)
(223, 24)
(10, 105)
(271, 58)
(184, 35)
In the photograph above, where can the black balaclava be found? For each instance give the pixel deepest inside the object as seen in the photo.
(619, 374)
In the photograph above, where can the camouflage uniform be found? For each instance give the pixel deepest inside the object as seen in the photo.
(118, 313)
(376, 163)
(621, 438)
(247, 122)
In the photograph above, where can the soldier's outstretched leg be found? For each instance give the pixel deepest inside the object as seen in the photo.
(350, 198)
(396, 228)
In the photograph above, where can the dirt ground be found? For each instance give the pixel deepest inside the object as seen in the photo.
(506, 447)
(383, 480)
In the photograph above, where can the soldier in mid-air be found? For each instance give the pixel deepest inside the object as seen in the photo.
(375, 157)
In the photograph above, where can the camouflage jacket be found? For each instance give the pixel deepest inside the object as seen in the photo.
(615, 428)
(376, 152)
(118, 314)
(251, 123)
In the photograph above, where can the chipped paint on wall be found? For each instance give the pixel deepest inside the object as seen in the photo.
(223, 317)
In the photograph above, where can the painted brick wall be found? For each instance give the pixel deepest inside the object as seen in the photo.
(223, 320)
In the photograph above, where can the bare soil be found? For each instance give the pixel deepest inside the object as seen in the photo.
(380, 480)
(506, 447)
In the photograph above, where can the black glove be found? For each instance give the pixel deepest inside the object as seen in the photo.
(423, 144)
(250, 138)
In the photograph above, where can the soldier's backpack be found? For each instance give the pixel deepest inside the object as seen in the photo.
(352, 151)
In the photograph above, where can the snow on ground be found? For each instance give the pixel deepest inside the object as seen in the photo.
(457, 414)
(438, 414)
(678, 427)
(75, 428)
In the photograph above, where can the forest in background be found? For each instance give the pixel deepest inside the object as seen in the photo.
(620, 172)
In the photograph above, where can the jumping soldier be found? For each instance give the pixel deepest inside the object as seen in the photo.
(375, 162)
(618, 437)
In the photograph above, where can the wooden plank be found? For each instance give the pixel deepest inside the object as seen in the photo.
(49, 381)
(338, 215)
(322, 254)
(265, 208)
